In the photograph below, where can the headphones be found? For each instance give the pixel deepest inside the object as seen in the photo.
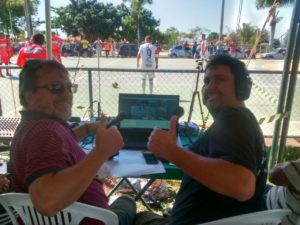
(243, 85)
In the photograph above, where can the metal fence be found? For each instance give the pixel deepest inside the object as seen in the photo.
(99, 89)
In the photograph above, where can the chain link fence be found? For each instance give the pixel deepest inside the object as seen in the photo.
(99, 89)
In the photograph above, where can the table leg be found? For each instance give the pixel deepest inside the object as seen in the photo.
(116, 187)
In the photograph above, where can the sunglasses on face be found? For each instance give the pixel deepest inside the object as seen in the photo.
(59, 88)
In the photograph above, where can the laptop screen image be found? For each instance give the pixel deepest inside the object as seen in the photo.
(142, 114)
(147, 111)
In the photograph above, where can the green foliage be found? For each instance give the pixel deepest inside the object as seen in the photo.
(261, 4)
(90, 19)
(291, 153)
(148, 26)
(276, 43)
(213, 37)
(170, 36)
(12, 15)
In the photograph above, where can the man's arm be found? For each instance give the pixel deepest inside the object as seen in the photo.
(277, 176)
(85, 129)
(55, 191)
(138, 57)
(156, 57)
(219, 175)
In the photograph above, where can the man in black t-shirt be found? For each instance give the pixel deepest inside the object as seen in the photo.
(225, 170)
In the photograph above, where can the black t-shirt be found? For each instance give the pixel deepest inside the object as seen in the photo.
(234, 136)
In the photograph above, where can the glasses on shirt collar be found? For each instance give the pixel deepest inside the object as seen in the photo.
(59, 88)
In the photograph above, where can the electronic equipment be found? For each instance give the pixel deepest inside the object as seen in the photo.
(142, 114)
(150, 157)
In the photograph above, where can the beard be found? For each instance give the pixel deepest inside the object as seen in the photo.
(63, 110)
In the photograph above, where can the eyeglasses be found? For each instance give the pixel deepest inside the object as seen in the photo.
(59, 88)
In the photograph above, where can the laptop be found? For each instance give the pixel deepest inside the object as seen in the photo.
(143, 113)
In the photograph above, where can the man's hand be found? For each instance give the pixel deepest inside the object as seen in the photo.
(277, 176)
(108, 140)
(4, 184)
(163, 143)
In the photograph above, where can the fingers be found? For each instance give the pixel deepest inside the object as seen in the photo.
(103, 122)
(173, 126)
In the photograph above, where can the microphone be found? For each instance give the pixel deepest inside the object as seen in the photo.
(116, 120)
(113, 122)
(179, 111)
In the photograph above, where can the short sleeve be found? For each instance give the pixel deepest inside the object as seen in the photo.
(292, 171)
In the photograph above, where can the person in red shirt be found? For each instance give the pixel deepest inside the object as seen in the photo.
(4, 56)
(34, 51)
(56, 43)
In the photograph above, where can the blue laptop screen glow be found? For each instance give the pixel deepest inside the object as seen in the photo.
(147, 111)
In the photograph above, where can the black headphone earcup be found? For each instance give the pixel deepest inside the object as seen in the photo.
(243, 88)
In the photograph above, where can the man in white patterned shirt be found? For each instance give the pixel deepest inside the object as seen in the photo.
(286, 195)
(149, 54)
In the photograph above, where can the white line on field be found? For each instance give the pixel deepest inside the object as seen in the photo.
(106, 65)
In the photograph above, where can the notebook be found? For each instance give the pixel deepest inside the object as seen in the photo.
(142, 114)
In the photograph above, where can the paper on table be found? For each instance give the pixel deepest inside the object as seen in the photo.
(129, 163)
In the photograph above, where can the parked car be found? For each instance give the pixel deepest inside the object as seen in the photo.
(128, 50)
(278, 53)
(178, 51)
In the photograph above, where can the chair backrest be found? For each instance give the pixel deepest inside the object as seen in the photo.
(267, 217)
(4, 219)
(20, 205)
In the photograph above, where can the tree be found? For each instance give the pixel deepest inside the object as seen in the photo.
(171, 36)
(261, 4)
(89, 18)
(213, 37)
(12, 16)
(148, 26)
(247, 34)
(136, 9)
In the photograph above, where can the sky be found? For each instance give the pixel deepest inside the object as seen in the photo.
(187, 14)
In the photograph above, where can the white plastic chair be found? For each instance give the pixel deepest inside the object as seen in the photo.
(19, 204)
(267, 217)
(5, 219)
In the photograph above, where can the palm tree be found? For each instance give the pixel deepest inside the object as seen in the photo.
(136, 8)
(246, 33)
(261, 4)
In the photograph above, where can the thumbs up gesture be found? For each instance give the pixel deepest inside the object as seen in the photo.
(108, 140)
(163, 143)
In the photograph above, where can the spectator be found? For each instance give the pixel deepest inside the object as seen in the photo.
(203, 47)
(4, 53)
(106, 47)
(225, 170)
(232, 47)
(286, 195)
(56, 43)
(46, 160)
(98, 45)
(157, 44)
(84, 47)
(112, 48)
(186, 48)
(33, 51)
(194, 49)
(148, 53)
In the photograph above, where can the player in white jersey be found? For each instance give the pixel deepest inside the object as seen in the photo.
(149, 54)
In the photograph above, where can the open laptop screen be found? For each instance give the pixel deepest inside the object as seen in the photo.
(147, 111)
